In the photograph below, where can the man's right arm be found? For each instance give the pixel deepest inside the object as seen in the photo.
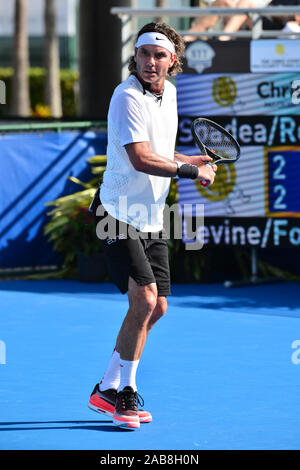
(145, 160)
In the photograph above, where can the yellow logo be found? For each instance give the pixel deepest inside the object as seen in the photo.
(224, 91)
(279, 49)
(223, 185)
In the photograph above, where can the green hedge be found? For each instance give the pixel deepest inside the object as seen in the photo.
(68, 80)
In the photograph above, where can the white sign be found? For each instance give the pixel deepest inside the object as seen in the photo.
(275, 55)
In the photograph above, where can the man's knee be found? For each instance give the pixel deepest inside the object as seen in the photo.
(160, 309)
(161, 306)
(142, 300)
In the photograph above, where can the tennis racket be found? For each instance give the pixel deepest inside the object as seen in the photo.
(213, 140)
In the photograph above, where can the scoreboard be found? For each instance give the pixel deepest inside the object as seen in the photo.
(282, 181)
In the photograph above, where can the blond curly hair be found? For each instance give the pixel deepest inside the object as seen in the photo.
(173, 36)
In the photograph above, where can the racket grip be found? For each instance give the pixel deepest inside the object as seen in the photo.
(203, 182)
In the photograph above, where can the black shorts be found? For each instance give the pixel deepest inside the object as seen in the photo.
(129, 252)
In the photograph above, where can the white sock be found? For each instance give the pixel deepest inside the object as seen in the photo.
(127, 374)
(111, 378)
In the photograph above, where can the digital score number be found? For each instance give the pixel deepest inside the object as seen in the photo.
(283, 181)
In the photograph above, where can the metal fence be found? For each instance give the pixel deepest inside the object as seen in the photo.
(128, 18)
(52, 126)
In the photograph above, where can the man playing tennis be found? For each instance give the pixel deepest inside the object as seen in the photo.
(142, 128)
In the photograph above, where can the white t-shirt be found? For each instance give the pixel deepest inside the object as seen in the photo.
(135, 115)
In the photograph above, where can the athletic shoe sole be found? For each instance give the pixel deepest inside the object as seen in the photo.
(143, 416)
(127, 423)
(100, 410)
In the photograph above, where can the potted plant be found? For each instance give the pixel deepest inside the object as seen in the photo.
(72, 231)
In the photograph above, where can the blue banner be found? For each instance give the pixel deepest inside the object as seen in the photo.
(34, 169)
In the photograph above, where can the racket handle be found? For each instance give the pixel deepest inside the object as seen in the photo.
(203, 182)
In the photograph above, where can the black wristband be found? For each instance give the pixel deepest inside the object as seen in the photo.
(187, 171)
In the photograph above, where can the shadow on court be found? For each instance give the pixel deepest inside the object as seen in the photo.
(72, 425)
(57, 286)
(283, 295)
(278, 299)
(245, 304)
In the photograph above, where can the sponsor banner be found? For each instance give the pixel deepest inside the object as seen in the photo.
(238, 190)
(238, 94)
(264, 182)
(212, 57)
(256, 232)
(249, 130)
(259, 56)
(275, 55)
(256, 200)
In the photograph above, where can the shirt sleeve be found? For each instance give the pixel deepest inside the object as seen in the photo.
(127, 118)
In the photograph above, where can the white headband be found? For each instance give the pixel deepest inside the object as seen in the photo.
(155, 39)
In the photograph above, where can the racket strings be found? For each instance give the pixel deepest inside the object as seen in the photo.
(215, 140)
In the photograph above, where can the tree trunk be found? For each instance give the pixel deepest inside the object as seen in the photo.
(52, 78)
(20, 106)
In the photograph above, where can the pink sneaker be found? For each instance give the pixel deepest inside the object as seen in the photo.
(104, 402)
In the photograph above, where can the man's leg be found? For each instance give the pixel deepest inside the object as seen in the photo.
(130, 345)
(203, 23)
(235, 22)
(111, 378)
(145, 309)
(133, 332)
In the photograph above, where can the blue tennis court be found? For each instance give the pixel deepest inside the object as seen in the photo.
(220, 371)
